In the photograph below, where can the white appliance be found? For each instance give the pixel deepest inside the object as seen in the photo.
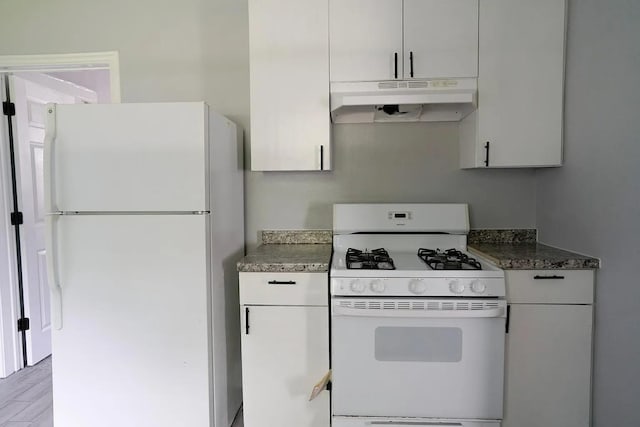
(417, 330)
(144, 224)
(425, 100)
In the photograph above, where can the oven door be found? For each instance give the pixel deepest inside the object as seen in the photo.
(418, 358)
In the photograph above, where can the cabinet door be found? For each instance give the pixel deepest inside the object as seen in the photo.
(520, 82)
(289, 77)
(285, 351)
(440, 38)
(548, 366)
(365, 37)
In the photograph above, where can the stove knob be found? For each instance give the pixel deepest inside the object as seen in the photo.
(357, 286)
(417, 286)
(377, 286)
(478, 287)
(456, 287)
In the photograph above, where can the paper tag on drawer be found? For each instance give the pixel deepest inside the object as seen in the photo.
(320, 385)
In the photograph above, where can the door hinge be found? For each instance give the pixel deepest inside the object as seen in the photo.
(23, 324)
(8, 108)
(16, 218)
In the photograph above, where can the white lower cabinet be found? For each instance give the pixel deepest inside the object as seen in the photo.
(285, 349)
(549, 348)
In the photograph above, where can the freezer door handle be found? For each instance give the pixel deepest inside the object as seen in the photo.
(49, 137)
(52, 271)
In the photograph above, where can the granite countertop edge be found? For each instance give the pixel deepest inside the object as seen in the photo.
(532, 256)
(310, 251)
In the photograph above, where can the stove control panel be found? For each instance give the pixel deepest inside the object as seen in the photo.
(357, 286)
(417, 286)
(425, 287)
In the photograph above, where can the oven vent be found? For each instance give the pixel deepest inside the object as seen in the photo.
(363, 305)
(429, 305)
(452, 306)
(404, 305)
(478, 305)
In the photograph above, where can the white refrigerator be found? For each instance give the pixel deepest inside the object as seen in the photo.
(145, 225)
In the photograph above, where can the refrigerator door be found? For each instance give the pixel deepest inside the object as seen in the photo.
(133, 348)
(127, 157)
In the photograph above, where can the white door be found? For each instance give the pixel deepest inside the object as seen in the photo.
(132, 348)
(30, 93)
(548, 366)
(365, 40)
(440, 38)
(430, 355)
(521, 82)
(136, 157)
(285, 352)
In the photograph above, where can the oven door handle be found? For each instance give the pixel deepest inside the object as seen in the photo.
(425, 314)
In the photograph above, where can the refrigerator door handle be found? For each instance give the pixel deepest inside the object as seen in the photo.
(52, 272)
(49, 137)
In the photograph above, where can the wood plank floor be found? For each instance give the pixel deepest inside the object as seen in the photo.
(26, 399)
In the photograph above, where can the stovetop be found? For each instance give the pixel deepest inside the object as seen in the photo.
(417, 250)
(411, 265)
(449, 259)
(377, 259)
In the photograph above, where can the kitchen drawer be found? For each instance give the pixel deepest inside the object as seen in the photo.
(284, 288)
(550, 286)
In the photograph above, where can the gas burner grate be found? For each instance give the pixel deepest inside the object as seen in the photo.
(377, 259)
(450, 259)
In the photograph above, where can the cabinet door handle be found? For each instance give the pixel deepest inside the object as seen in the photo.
(411, 64)
(553, 277)
(246, 320)
(322, 157)
(506, 323)
(282, 282)
(395, 65)
(486, 155)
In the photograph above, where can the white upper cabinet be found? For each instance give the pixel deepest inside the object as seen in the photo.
(374, 40)
(289, 78)
(518, 122)
(365, 40)
(440, 38)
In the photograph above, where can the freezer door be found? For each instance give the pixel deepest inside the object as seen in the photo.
(127, 157)
(133, 349)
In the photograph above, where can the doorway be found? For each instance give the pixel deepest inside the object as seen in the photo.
(27, 84)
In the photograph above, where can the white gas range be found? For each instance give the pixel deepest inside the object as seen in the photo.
(418, 324)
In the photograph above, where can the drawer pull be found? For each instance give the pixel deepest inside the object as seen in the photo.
(281, 282)
(554, 277)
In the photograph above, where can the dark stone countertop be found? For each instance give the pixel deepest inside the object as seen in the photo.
(532, 256)
(310, 251)
(290, 251)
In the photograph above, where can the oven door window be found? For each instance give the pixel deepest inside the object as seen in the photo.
(418, 344)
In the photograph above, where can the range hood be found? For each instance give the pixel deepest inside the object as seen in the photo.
(435, 100)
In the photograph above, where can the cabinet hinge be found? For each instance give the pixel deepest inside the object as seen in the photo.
(16, 218)
(8, 108)
(23, 324)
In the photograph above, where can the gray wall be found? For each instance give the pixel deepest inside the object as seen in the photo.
(592, 204)
(390, 163)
